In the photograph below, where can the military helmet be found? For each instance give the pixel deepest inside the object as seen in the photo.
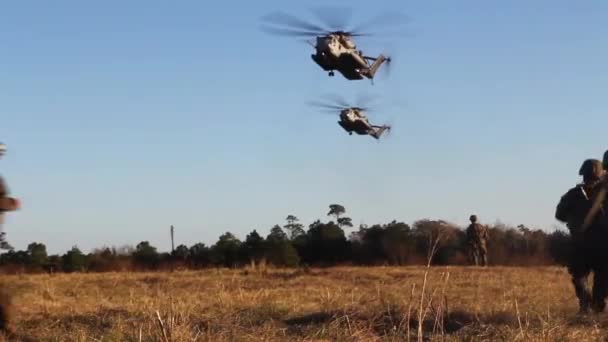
(590, 168)
(473, 218)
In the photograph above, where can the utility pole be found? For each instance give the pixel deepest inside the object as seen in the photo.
(172, 244)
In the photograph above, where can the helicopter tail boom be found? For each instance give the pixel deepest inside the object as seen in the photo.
(371, 71)
(379, 130)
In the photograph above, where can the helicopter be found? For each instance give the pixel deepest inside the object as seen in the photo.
(352, 118)
(335, 50)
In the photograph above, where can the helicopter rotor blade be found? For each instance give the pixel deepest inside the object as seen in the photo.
(364, 100)
(280, 18)
(364, 110)
(325, 105)
(290, 32)
(334, 17)
(382, 20)
(337, 99)
(359, 34)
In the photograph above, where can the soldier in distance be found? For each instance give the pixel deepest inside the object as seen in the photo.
(477, 236)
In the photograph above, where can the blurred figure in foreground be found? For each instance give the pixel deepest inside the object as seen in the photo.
(588, 252)
(7, 204)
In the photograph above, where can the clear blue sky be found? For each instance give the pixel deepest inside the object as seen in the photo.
(124, 117)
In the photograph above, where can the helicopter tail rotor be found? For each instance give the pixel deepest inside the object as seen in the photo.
(386, 129)
(387, 65)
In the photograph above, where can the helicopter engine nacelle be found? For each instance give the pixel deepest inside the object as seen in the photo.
(348, 43)
(329, 45)
(348, 115)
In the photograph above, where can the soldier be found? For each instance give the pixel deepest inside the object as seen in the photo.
(587, 253)
(6, 204)
(477, 236)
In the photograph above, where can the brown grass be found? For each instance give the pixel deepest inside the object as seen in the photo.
(336, 304)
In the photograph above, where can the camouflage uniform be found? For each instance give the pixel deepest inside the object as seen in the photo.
(6, 204)
(587, 253)
(477, 236)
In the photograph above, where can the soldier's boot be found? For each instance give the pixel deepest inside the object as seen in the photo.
(583, 295)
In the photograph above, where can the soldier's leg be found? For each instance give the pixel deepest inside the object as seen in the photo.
(598, 301)
(476, 255)
(579, 270)
(470, 255)
(484, 256)
(479, 255)
(600, 288)
(6, 313)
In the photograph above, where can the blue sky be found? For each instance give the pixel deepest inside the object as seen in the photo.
(123, 118)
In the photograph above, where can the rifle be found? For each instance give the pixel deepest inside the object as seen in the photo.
(598, 203)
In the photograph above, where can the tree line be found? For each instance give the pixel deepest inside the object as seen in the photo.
(319, 244)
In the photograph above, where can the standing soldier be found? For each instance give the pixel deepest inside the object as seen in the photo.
(588, 253)
(6, 204)
(477, 236)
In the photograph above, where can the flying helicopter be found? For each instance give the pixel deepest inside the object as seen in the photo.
(335, 49)
(352, 118)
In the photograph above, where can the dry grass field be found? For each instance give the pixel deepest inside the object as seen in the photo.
(334, 304)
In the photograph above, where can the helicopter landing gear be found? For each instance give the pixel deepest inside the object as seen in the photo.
(331, 74)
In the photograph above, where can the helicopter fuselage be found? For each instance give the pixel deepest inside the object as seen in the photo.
(352, 120)
(339, 52)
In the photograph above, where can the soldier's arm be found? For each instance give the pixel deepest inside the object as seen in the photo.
(564, 207)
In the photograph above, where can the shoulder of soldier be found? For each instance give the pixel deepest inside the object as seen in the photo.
(574, 192)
